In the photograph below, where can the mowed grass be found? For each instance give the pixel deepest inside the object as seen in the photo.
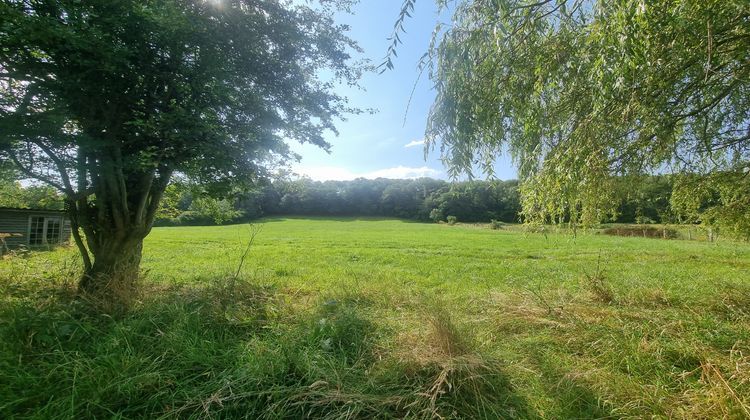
(348, 318)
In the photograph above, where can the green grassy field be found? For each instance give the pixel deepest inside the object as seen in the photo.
(381, 318)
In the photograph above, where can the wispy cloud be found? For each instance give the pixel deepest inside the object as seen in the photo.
(415, 143)
(335, 173)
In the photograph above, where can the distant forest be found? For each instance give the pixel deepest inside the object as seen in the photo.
(645, 200)
(423, 199)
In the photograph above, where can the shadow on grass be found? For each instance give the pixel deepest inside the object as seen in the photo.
(229, 349)
(573, 397)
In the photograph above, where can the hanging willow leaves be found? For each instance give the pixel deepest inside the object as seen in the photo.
(581, 91)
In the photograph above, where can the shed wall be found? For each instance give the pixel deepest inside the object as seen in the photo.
(17, 222)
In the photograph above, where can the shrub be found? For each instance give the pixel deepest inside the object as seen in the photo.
(218, 211)
(451, 220)
(193, 218)
(436, 215)
(496, 224)
(642, 231)
(598, 285)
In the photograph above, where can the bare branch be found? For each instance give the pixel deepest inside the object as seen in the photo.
(69, 191)
(31, 174)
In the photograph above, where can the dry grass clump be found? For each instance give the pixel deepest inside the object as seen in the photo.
(525, 313)
(598, 285)
(724, 390)
(651, 298)
(240, 302)
(445, 336)
(544, 299)
(114, 295)
(732, 302)
(600, 290)
(449, 374)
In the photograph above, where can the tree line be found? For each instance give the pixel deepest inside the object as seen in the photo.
(640, 200)
(14, 194)
(425, 199)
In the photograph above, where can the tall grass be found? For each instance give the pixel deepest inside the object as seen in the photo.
(210, 351)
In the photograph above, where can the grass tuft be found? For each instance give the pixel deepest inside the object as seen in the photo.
(598, 286)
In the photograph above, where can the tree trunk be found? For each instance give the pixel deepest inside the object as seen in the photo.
(113, 276)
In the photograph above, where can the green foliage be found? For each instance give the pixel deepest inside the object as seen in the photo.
(196, 56)
(219, 211)
(169, 207)
(106, 99)
(638, 199)
(420, 199)
(436, 215)
(645, 199)
(581, 91)
(42, 197)
(189, 204)
(719, 199)
(451, 220)
(496, 224)
(13, 194)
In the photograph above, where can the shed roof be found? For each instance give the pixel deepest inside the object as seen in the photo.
(31, 210)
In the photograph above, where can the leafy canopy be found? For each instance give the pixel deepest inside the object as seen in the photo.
(206, 87)
(580, 90)
(106, 99)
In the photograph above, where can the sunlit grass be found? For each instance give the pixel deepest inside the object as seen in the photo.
(344, 318)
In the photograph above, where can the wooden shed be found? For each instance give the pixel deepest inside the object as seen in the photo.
(32, 228)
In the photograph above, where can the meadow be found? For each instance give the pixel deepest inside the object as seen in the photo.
(370, 318)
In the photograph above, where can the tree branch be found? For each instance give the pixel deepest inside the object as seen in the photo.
(114, 197)
(145, 191)
(73, 213)
(69, 191)
(32, 174)
(165, 174)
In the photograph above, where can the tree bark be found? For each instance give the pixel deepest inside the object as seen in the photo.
(114, 202)
(113, 276)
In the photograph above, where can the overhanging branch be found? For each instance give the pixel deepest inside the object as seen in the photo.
(31, 174)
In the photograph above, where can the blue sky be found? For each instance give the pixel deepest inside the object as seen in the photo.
(384, 144)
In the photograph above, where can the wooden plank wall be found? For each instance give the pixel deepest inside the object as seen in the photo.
(16, 223)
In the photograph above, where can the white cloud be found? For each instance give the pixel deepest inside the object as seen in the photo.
(403, 172)
(335, 173)
(323, 173)
(415, 143)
